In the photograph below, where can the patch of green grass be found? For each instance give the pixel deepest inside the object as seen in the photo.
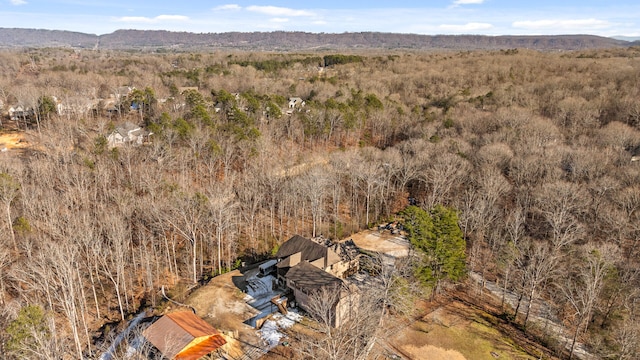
(475, 339)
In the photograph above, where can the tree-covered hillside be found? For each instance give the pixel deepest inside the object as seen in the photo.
(524, 158)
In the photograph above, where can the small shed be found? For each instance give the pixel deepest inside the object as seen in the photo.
(183, 336)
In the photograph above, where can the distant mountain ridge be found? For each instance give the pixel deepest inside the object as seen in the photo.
(44, 38)
(284, 40)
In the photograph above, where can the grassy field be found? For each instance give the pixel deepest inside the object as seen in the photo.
(456, 331)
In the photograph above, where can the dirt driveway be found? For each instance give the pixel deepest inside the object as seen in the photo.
(223, 306)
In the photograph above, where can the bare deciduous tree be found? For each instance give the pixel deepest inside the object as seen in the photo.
(223, 205)
(583, 288)
(443, 173)
(538, 266)
(9, 190)
(352, 339)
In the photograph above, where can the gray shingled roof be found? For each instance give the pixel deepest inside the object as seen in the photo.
(308, 278)
(124, 129)
(310, 250)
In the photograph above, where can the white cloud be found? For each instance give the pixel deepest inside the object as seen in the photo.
(227, 7)
(279, 20)
(279, 11)
(157, 19)
(473, 26)
(467, 2)
(561, 24)
(18, 2)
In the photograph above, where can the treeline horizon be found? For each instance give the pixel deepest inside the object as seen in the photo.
(177, 41)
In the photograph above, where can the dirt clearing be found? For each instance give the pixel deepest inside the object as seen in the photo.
(222, 305)
(382, 242)
(435, 353)
(9, 141)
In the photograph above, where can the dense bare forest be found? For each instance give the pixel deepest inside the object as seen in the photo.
(535, 151)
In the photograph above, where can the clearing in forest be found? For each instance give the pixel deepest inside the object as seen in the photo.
(382, 242)
(456, 332)
(12, 140)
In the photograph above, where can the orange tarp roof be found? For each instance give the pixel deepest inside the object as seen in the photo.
(183, 335)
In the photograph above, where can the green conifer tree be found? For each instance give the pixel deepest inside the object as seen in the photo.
(437, 235)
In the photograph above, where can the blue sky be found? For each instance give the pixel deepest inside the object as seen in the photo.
(486, 17)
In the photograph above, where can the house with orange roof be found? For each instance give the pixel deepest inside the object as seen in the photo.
(183, 335)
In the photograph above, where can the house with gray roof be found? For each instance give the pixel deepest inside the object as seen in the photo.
(127, 134)
(311, 285)
(298, 249)
(307, 267)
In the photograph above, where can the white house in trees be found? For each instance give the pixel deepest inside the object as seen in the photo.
(296, 102)
(127, 134)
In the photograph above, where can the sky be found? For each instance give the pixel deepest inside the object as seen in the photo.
(485, 17)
